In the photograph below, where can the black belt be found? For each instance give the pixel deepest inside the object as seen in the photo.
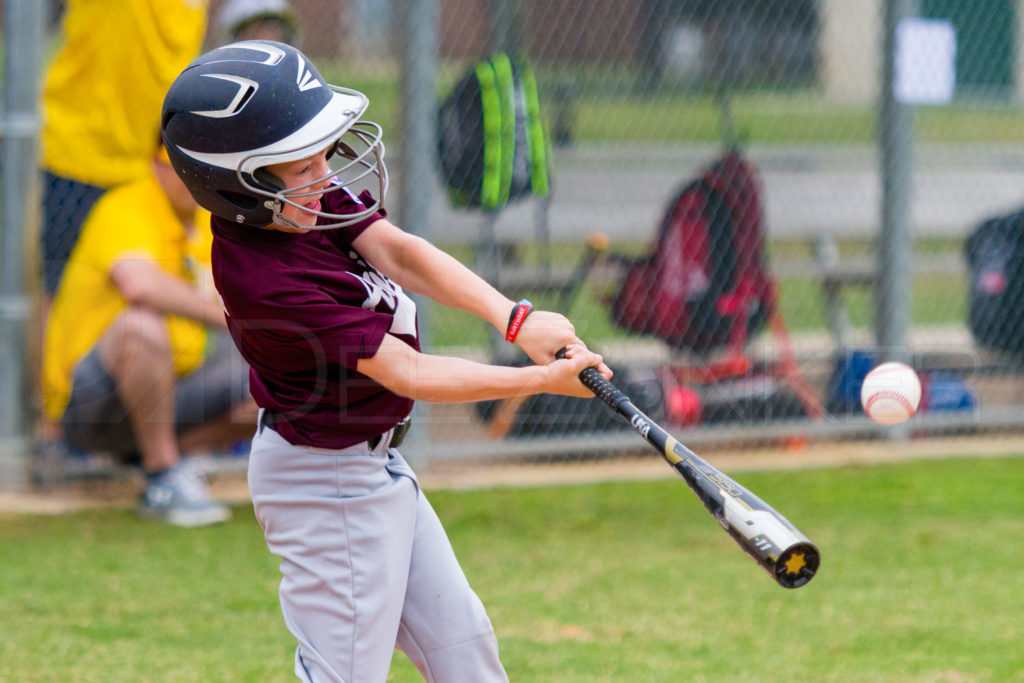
(398, 432)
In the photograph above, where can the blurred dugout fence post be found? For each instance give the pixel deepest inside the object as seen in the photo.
(895, 257)
(418, 22)
(895, 248)
(19, 127)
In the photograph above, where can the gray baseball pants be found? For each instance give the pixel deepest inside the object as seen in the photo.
(366, 566)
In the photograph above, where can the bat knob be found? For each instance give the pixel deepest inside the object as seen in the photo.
(797, 565)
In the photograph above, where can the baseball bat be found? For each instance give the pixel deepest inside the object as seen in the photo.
(787, 555)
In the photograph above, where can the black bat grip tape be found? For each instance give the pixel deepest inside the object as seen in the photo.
(601, 387)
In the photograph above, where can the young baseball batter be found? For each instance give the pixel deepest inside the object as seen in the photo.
(313, 279)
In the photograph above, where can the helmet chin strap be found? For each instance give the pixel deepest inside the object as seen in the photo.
(276, 207)
(285, 222)
(282, 220)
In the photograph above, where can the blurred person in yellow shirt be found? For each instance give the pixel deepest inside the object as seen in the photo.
(101, 105)
(135, 358)
(258, 20)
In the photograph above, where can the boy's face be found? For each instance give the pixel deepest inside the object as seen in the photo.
(298, 174)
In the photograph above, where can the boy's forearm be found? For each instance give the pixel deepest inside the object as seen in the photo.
(541, 334)
(444, 379)
(435, 274)
(441, 379)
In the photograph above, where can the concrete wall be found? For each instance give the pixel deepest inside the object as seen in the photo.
(851, 39)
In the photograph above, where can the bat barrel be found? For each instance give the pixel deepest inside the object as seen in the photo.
(797, 565)
(775, 544)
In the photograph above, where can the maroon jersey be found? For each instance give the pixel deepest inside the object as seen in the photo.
(303, 309)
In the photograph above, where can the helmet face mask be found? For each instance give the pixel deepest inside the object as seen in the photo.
(249, 105)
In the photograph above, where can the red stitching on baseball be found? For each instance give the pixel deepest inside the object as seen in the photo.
(889, 393)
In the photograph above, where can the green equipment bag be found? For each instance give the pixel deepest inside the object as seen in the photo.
(492, 143)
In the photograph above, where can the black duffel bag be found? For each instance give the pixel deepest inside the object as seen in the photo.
(995, 261)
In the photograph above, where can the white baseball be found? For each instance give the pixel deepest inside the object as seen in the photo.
(890, 393)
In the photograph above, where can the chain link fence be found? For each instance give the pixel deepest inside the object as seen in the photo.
(743, 204)
(742, 298)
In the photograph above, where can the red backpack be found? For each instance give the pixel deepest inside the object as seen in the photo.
(706, 283)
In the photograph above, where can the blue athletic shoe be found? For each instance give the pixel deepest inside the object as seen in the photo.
(181, 497)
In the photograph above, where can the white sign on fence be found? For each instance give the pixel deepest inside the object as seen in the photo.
(925, 61)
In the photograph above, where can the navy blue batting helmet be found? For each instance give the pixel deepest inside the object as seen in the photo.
(244, 106)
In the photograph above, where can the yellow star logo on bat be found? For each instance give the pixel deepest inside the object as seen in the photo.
(795, 563)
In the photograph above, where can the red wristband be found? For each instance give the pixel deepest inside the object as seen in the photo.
(515, 320)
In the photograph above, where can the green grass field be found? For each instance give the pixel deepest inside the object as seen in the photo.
(921, 581)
